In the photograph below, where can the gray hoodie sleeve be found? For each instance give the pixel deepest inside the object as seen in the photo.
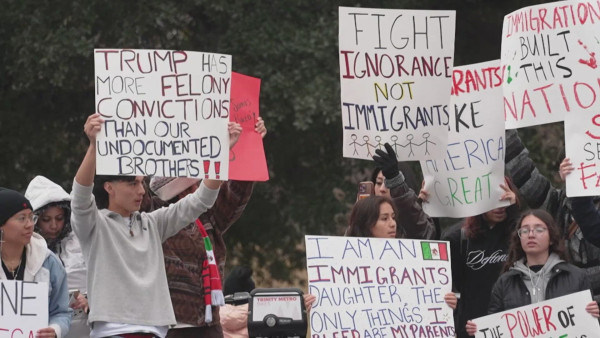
(169, 220)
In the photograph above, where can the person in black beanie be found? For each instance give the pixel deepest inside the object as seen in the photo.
(412, 222)
(26, 257)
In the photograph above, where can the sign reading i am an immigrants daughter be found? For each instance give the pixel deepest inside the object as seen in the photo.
(375, 287)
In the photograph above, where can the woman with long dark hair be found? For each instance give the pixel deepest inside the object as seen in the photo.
(375, 216)
(536, 270)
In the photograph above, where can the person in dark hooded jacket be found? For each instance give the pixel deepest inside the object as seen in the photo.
(535, 270)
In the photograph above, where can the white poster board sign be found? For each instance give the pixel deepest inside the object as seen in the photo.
(549, 52)
(23, 308)
(395, 74)
(558, 317)
(466, 182)
(374, 287)
(165, 113)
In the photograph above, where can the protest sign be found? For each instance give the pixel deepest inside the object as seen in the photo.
(165, 113)
(24, 308)
(375, 287)
(466, 182)
(247, 160)
(395, 74)
(558, 317)
(549, 52)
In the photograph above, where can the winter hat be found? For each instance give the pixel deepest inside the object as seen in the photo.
(11, 202)
(41, 192)
(168, 187)
(239, 280)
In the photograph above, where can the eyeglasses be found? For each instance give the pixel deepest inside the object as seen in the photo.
(526, 231)
(24, 218)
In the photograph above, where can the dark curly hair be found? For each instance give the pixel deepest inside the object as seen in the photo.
(365, 214)
(515, 250)
(475, 226)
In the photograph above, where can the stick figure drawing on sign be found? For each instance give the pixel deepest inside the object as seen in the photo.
(354, 143)
(369, 145)
(378, 140)
(426, 142)
(409, 138)
(394, 139)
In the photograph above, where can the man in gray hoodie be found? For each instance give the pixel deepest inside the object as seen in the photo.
(127, 285)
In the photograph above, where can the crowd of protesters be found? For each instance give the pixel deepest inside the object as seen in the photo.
(163, 238)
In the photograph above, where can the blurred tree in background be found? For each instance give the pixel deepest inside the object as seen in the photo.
(47, 91)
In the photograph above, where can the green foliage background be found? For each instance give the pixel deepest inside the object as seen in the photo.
(47, 91)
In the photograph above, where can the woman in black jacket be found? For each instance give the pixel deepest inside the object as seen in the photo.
(535, 270)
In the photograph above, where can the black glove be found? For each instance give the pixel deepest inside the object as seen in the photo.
(387, 161)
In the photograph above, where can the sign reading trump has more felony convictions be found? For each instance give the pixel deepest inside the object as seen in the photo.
(165, 113)
(466, 182)
(395, 73)
(375, 287)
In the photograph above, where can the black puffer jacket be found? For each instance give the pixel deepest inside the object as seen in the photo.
(510, 291)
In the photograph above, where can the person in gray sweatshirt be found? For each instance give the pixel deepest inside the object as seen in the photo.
(127, 285)
(535, 270)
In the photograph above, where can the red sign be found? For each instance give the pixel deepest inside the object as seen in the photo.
(247, 160)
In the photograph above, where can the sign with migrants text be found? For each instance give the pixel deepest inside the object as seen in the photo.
(247, 160)
(165, 113)
(558, 317)
(467, 180)
(375, 287)
(24, 308)
(395, 74)
(549, 53)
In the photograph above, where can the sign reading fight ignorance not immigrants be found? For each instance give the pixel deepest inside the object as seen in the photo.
(558, 317)
(24, 308)
(466, 182)
(551, 62)
(165, 113)
(375, 287)
(395, 73)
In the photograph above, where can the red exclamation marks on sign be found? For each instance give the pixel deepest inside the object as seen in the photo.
(218, 169)
(206, 167)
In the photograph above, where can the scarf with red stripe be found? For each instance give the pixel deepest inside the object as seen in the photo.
(211, 281)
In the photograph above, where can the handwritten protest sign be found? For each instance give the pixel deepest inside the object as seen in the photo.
(374, 287)
(24, 308)
(247, 160)
(558, 317)
(466, 181)
(549, 52)
(165, 113)
(395, 74)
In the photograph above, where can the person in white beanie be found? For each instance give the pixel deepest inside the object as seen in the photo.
(52, 204)
(127, 284)
(195, 302)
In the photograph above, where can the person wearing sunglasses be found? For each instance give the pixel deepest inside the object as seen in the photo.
(536, 269)
(25, 257)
